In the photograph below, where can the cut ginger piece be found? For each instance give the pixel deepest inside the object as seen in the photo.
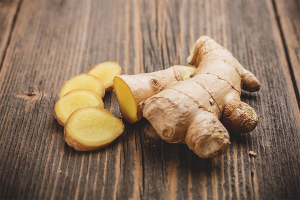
(127, 103)
(92, 128)
(75, 100)
(106, 72)
(131, 90)
(83, 81)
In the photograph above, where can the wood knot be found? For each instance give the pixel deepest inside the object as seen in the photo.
(29, 94)
(29, 98)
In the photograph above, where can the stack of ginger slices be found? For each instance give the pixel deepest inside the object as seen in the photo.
(80, 109)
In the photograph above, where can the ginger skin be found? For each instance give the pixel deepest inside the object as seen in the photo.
(190, 111)
(132, 90)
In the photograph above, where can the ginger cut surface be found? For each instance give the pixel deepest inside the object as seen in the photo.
(132, 90)
(106, 72)
(75, 100)
(92, 128)
(127, 103)
(83, 81)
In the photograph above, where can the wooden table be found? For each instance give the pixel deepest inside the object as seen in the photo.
(43, 43)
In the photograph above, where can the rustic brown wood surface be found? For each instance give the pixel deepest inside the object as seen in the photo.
(43, 43)
(288, 14)
(8, 12)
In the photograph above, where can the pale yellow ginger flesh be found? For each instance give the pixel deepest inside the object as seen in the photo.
(187, 72)
(106, 72)
(191, 111)
(127, 103)
(92, 128)
(75, 100)
(83, 81)
(132, 90)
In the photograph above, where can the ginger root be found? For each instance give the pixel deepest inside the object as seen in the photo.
(189, 111)
(106, 72)
(92, 128)
(75, 100)
(131, 90)
(83, 81)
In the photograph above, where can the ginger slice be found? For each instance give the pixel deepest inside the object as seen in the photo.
(83, 81)
(127, 103)
(75, 100)
(106, 72)
(92, 128)
(131, 90)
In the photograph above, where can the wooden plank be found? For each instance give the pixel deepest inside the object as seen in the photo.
(288, 16)
(63, 38)
(8, 12)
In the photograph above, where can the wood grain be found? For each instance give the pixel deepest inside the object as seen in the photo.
(288, 15)
(8, 15)
(55, 40)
